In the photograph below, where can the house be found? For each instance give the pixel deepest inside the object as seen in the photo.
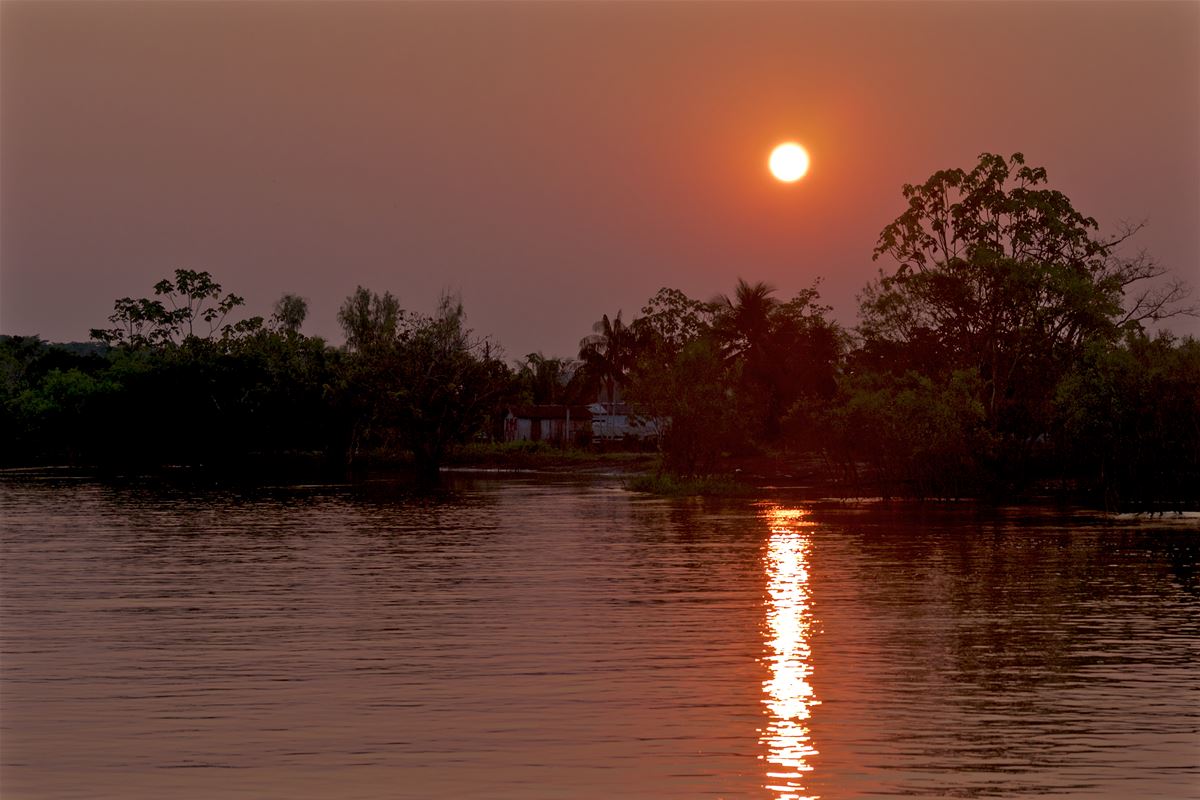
(618, 422)
(560, 425)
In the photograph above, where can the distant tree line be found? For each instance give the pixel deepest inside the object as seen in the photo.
(1005, 350)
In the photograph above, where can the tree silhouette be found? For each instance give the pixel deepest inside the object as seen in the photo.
(609, 353)
(999, 274)
(744, 321)
(290, 312)
(370, 321)
(193, 297)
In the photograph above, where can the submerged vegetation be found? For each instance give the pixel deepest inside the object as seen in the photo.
(1006, 351)
(668, 485)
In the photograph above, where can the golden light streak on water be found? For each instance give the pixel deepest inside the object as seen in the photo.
(787, 694)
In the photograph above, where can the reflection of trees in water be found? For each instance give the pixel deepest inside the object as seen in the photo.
(706, 540)
(192, 535)
(1180, 549)
(1022, 636)
(1003, 603)
(1028, 631)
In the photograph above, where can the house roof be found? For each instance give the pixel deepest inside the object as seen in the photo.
(612, 409)
(550, 412)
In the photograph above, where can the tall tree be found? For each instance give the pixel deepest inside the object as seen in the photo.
(420, 383)
(609, 353)
(192, 308)
(688, 396)
(998, 274)
(370, 321)
(195, 297)
(778, 351)
(1129, 421)
(447, 382)
(545, 380)
(744, 320)
(290, 313)
(671, 319)
(374, 325)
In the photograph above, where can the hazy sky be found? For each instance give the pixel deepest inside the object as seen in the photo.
(552, 161)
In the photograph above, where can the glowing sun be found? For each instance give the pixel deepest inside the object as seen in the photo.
(789, 162)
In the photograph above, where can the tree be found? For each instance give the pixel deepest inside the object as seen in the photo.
(801, 359)
(670, 320)
(290, 313)
(744, 321)
(373, 325)
(609, 353)
(723, 375)
(690, 397)
(1128, 421)
(370, 321)
(194, 298)
(545, 380)
(997, 274)
(421, 383)
(781, 352)
(51, 396)
(915, 434)
(136, 323)
(63, 407)
(447, 380)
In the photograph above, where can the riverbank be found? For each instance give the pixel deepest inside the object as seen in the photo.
(734, 476)
(539, 456)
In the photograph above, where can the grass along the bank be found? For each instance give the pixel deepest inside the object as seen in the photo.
(674, 486)
(540, 455)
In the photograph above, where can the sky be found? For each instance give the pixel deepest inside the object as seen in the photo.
(552, 162)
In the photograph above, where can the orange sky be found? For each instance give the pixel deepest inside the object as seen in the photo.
(552, 161)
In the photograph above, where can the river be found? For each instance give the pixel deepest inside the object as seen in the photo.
(526, 637)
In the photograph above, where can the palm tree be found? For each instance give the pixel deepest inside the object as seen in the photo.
(608, 354)
(744, 322)
(544, 379)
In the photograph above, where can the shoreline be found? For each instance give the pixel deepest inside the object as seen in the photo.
(739, 478)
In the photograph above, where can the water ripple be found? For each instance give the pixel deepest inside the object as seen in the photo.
(530, 639)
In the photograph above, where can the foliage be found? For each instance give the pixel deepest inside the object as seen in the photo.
(1006, 346)
(419, 383)
(447, 382)
(914, 435)
(48, 393)
(608, 354)
(670, 320)
(1128, 420)
(997, 274)
(784, 352)
(743, 322)
(371, 322)
(721, 376)
(549, 381)
(171, 383)
(193, 297)
(673, 486)
(54, 413)
(690, 396)
(290, 313)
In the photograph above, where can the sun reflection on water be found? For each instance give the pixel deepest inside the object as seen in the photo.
(787, 694)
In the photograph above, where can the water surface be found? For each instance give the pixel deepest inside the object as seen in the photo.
(521, 638)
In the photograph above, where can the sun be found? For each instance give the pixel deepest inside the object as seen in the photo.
(789, 162)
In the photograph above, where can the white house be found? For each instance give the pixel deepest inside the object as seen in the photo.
(617, 422)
